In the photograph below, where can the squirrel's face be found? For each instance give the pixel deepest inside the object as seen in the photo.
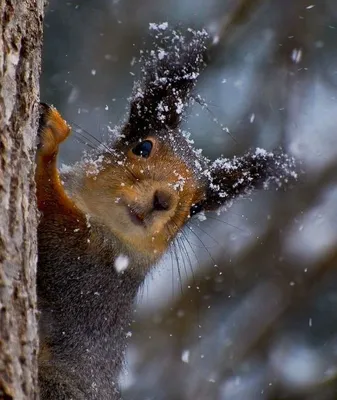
(143, 193)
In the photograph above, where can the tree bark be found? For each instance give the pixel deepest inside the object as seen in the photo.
(20, 60)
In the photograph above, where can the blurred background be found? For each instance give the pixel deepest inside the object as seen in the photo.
(244, 306)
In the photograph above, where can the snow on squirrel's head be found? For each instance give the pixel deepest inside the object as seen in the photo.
(152, 176)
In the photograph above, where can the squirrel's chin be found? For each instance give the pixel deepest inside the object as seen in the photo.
(145, 238)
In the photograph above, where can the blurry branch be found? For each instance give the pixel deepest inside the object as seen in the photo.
(296, 299)
(241, 14)
(274, 299)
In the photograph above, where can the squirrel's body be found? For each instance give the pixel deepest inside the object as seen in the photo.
(89, 307)
(128, 201)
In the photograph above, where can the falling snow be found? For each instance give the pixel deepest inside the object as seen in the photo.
(121, 263)
(157, 27)
(185, 356)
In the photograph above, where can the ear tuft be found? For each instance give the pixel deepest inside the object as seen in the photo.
(170, 73)
(240, 175)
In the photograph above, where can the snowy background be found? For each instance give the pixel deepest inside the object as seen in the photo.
(251, 311)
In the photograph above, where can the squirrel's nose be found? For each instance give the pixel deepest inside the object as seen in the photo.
(162, 200)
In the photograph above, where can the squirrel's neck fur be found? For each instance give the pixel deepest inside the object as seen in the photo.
(80, 267)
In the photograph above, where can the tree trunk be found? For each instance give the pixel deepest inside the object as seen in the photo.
(20, 59)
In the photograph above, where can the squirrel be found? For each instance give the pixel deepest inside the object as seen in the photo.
(109, 219)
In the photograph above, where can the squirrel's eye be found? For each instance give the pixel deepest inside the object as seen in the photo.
(143, 149)
(195, 209)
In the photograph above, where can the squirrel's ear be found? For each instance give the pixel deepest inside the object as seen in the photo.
(240, 175)
(170, 73)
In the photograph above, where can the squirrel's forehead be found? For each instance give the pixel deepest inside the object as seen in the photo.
(181, 146)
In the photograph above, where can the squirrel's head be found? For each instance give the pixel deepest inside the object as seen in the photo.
(147, 184)
(146, 190)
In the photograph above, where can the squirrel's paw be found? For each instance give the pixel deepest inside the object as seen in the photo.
(53, 130)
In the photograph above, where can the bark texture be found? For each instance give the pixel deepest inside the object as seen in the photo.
(20, 59)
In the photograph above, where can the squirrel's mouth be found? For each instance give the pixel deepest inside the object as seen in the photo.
(136, 217)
